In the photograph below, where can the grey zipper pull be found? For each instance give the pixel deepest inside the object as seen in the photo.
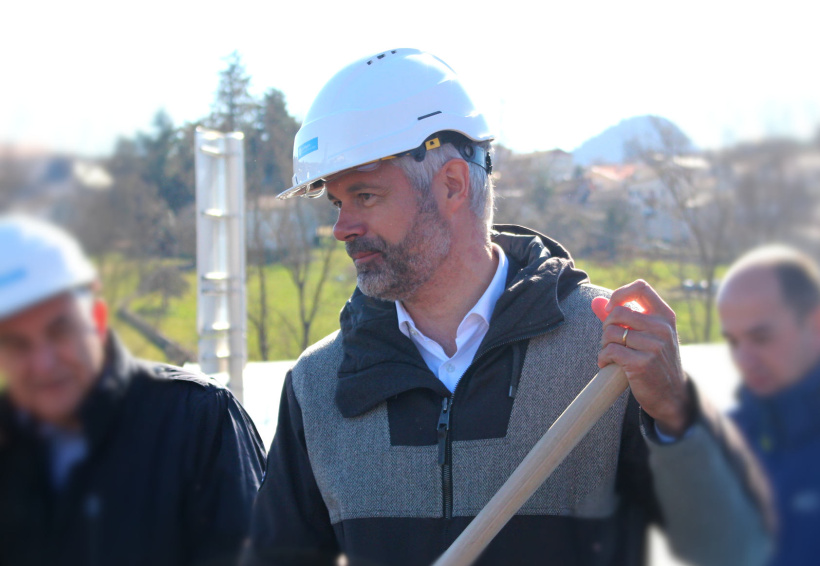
(443, 428)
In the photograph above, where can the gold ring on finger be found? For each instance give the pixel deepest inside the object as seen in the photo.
(623, 338)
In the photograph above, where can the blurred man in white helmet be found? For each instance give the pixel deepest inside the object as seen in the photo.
(461, 345)
(769, 305)
(46, 298)
(105, 459)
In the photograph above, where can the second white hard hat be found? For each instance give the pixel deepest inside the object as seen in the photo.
(379, 107)
(38, 261)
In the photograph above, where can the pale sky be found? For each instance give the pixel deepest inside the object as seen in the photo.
(76, 75)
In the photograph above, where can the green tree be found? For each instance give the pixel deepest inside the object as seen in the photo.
(140, 223)
(269, 146)
(306, 254)
(234, 108)
(165, 280)
(706, 212)
(168, 161)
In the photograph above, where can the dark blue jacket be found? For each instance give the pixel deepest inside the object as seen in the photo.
(784, 431)
(174, 463)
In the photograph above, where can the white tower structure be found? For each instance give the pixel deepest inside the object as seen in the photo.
(220, 255)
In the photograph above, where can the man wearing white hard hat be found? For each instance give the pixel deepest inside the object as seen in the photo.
(105, 459)
(461, 345)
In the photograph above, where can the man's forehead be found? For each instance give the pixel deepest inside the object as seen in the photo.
(341, 183)
(753, 302)
(351, 180)
(757, 285)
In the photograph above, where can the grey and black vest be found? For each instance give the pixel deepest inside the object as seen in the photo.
(361, 475)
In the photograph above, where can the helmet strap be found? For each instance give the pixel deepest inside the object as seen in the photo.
(468, 150)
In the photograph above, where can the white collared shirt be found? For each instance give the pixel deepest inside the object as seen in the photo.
(470, 332)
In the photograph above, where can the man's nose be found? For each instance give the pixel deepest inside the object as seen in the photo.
(348, 226)
(745, 358)
(42, 359)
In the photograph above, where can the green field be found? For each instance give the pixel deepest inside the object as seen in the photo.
(120, 284)
(178, 322)
(666, 278)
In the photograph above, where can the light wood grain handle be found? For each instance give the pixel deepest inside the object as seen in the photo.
(567, 430)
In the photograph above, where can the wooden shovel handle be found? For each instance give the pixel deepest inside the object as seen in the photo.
(567, 430)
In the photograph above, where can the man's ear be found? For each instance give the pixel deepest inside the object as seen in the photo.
(99, 312)
(455, 175)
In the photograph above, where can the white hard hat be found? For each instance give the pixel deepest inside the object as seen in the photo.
(381, 107)
(38, 261)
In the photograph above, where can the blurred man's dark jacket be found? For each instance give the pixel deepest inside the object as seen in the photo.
(784, 431)
(172, 466)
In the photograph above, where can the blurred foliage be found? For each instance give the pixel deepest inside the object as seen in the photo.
(143, 230)
(667, 278)
(178, 322)
(177, 319)
(675, 218)
(167, 281)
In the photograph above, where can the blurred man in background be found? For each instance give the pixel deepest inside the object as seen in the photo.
(105, 459)
(769, 308)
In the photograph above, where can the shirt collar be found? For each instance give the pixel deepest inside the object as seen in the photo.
(483, 308)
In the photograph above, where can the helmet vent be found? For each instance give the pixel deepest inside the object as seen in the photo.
(428, 115)
(381, 56)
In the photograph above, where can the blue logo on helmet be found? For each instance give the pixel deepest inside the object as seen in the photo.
(308, 147)
(12, 276)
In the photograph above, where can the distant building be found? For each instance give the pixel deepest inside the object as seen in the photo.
(515, 173)
(45, 184)
(276, 225)
(558, 164)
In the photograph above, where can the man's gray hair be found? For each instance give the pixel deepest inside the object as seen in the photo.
(420, 174)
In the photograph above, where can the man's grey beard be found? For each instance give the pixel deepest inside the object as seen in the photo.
(407, 265)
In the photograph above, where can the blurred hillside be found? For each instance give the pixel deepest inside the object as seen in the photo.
(614, 144)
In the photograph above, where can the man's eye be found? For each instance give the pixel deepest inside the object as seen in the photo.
(336, 204)
(364, 197)
(761, 338)
(61, 330)
(13, 347)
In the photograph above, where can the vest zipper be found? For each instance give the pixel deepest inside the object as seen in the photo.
(445, 441)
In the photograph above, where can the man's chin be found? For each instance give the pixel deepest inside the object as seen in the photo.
(375, 293)
(377, 289)
(763, 387)
(57, 411)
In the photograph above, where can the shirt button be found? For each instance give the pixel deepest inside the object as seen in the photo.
(450, 368)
